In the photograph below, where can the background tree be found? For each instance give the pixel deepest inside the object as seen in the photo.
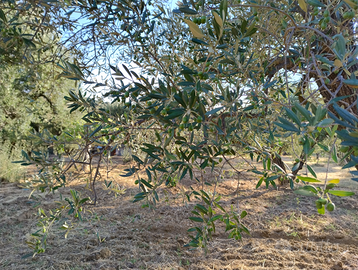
(32, 95)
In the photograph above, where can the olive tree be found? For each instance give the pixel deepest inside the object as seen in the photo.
(215, 79)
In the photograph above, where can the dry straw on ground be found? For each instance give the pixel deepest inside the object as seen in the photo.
(287, 232)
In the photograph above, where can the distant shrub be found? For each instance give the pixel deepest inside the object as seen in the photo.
(127, 154)
(10, 172)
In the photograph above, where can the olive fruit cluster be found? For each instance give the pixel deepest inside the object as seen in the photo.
(152, 109)
(348, 15)
(190, 126)
(321, 202)
(199, 20)
(315, 11)
(345, 149)
(326, 16)
(165, 110)
(325, 20)
(202, 75)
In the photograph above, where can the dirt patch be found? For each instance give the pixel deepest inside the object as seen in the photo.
(286, 231)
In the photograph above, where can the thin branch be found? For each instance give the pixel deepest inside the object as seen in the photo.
(269, 7)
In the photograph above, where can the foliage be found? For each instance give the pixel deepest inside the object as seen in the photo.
(10, 171)
(210, 81)
(32, 95)
(31, 102)
(74, 208)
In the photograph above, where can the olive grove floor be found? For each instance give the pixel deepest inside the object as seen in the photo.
(286, 231)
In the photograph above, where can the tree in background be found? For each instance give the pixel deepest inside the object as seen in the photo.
(32, 94)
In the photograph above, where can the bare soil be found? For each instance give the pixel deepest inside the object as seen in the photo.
(286, 231)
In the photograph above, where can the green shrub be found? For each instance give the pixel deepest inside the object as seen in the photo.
(10, 172)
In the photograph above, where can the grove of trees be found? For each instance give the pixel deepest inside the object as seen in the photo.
(187, 89)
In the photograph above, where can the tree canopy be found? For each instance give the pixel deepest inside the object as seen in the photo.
(202, 83)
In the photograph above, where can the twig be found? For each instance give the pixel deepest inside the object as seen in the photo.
(329, 159)
(94, 180)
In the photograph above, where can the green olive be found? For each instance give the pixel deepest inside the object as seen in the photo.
(323, 25)
(348, 15)
(185, 119)
(318, 204)
(330, 207)
(322, 201)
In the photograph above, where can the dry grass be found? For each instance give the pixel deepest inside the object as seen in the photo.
(287, 232)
